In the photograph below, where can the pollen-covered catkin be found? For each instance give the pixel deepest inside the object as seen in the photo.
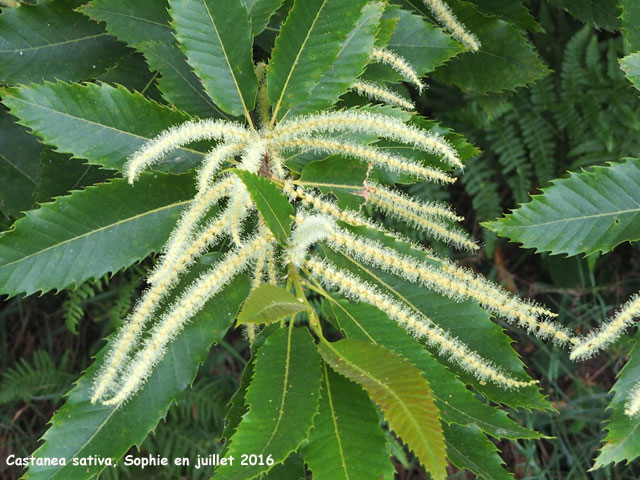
(608, 332)
(393, 201)
(128, 335)
(382, 94)
(213, 162)
(417, 324)
(446, 17)
(509, 307)
(182, 234)
(369, 123)
(175, 137)
(189, 303)
(399, 64)
(372, 155)
(632, 407)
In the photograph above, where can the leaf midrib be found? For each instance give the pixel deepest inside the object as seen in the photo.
(577, 219)
(343, 461)
(295, 63)
(226, 58)
(390, 391)
(56, 44)
(92, 122)
(95, 232)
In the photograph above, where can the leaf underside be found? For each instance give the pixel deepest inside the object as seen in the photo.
(402, 393)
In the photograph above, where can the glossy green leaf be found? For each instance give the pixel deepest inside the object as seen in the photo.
(291, 469)
(349, 64)
(282, 400)
(630, 65)
(514, 11)
(132, 72)
(402, 392)
(630, 18)
(19, 166)
(100, 123)
(269, 303)
(346, 426)
(109, 432)
(468, 448)
(237, 406)
(145, 26)
(59, 174)
(48, 40)
(217, 40)
(307, 46)
(98, 230)
(341, 176)
(132, 22)
(591, 211)
(505, 61)
(178, 83)
(260, 11)
(622, 442)
(601, 13)
(456, 403)
(422, 44)
(270, 202)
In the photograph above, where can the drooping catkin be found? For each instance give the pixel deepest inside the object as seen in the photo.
(409, 268)
(189, 303)
(175, 137)
(609, 332)
(382, 94)
(399, 64)
(417, 324)
(365, 122)
(368, 154)
(447, 18)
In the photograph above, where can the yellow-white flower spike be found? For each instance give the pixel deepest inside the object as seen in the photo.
(441, 231)
(411, 269)
(213, 161)
(272, 271)
(364, 122)
(381, 94)
(182, 234)
(446, 17)
(608, 332)
(632, 407)
(309, 229)
(175, 137)
(128, 335)
(367, 154)
(240, 203)
(399, 64)
(189, 303)
(277, 165)
(387, 200)
(321, 205)
(416, 323)
(258, 271)
(478, 282)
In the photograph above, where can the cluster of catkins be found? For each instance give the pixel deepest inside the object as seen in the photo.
(133, 354)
